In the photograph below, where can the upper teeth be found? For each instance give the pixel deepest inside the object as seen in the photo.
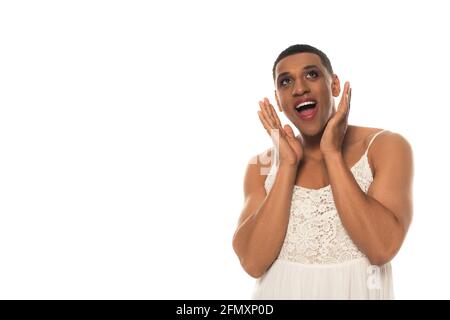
(304, 104)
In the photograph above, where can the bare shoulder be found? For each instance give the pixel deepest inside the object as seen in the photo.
(262, 160)
(390, 149)
(255, 176)
(384, 142)
(358, 135)
(257, 170)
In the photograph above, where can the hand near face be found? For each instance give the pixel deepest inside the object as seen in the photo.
(290, 148)
(336, 127)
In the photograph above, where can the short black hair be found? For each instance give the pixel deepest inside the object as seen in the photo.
(300, 48)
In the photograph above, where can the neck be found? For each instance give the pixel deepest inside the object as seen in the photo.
(311, 144)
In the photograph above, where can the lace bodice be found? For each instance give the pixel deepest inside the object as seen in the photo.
(315, 234)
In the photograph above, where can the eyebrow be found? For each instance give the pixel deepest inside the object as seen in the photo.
(310, 66)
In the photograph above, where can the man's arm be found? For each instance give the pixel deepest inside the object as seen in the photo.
(378, 221)
(264, 219)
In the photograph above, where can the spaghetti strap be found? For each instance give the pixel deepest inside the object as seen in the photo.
(367, 150)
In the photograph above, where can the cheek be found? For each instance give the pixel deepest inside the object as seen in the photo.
(327, 97)
(326, 109)
(284, 103)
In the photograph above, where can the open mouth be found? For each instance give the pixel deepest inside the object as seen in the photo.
(306, 105)
(307, 110)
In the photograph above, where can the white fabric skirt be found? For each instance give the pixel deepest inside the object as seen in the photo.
(355, 279)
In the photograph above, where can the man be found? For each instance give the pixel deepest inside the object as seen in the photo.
(333, 212)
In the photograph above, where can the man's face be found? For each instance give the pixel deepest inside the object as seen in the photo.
(301, 77)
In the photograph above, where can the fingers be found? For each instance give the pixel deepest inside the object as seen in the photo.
(344, 104)
(265, 122)
(274, 135)
(349, 99)
(268, 117)
(273, 113)
(289, 131)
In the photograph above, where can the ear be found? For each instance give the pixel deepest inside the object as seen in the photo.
(335, 85)
(278, 101)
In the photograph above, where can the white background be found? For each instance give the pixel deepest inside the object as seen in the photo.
(126, 126)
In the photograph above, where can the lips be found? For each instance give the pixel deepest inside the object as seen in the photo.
(306, 108)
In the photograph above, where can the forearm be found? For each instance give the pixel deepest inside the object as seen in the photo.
(262, 234)
(371, 226)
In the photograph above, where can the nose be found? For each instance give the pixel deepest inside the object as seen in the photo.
(299, 88)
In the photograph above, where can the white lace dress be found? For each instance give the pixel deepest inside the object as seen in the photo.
(318, 260)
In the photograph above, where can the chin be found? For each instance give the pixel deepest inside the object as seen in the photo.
(312, 131)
